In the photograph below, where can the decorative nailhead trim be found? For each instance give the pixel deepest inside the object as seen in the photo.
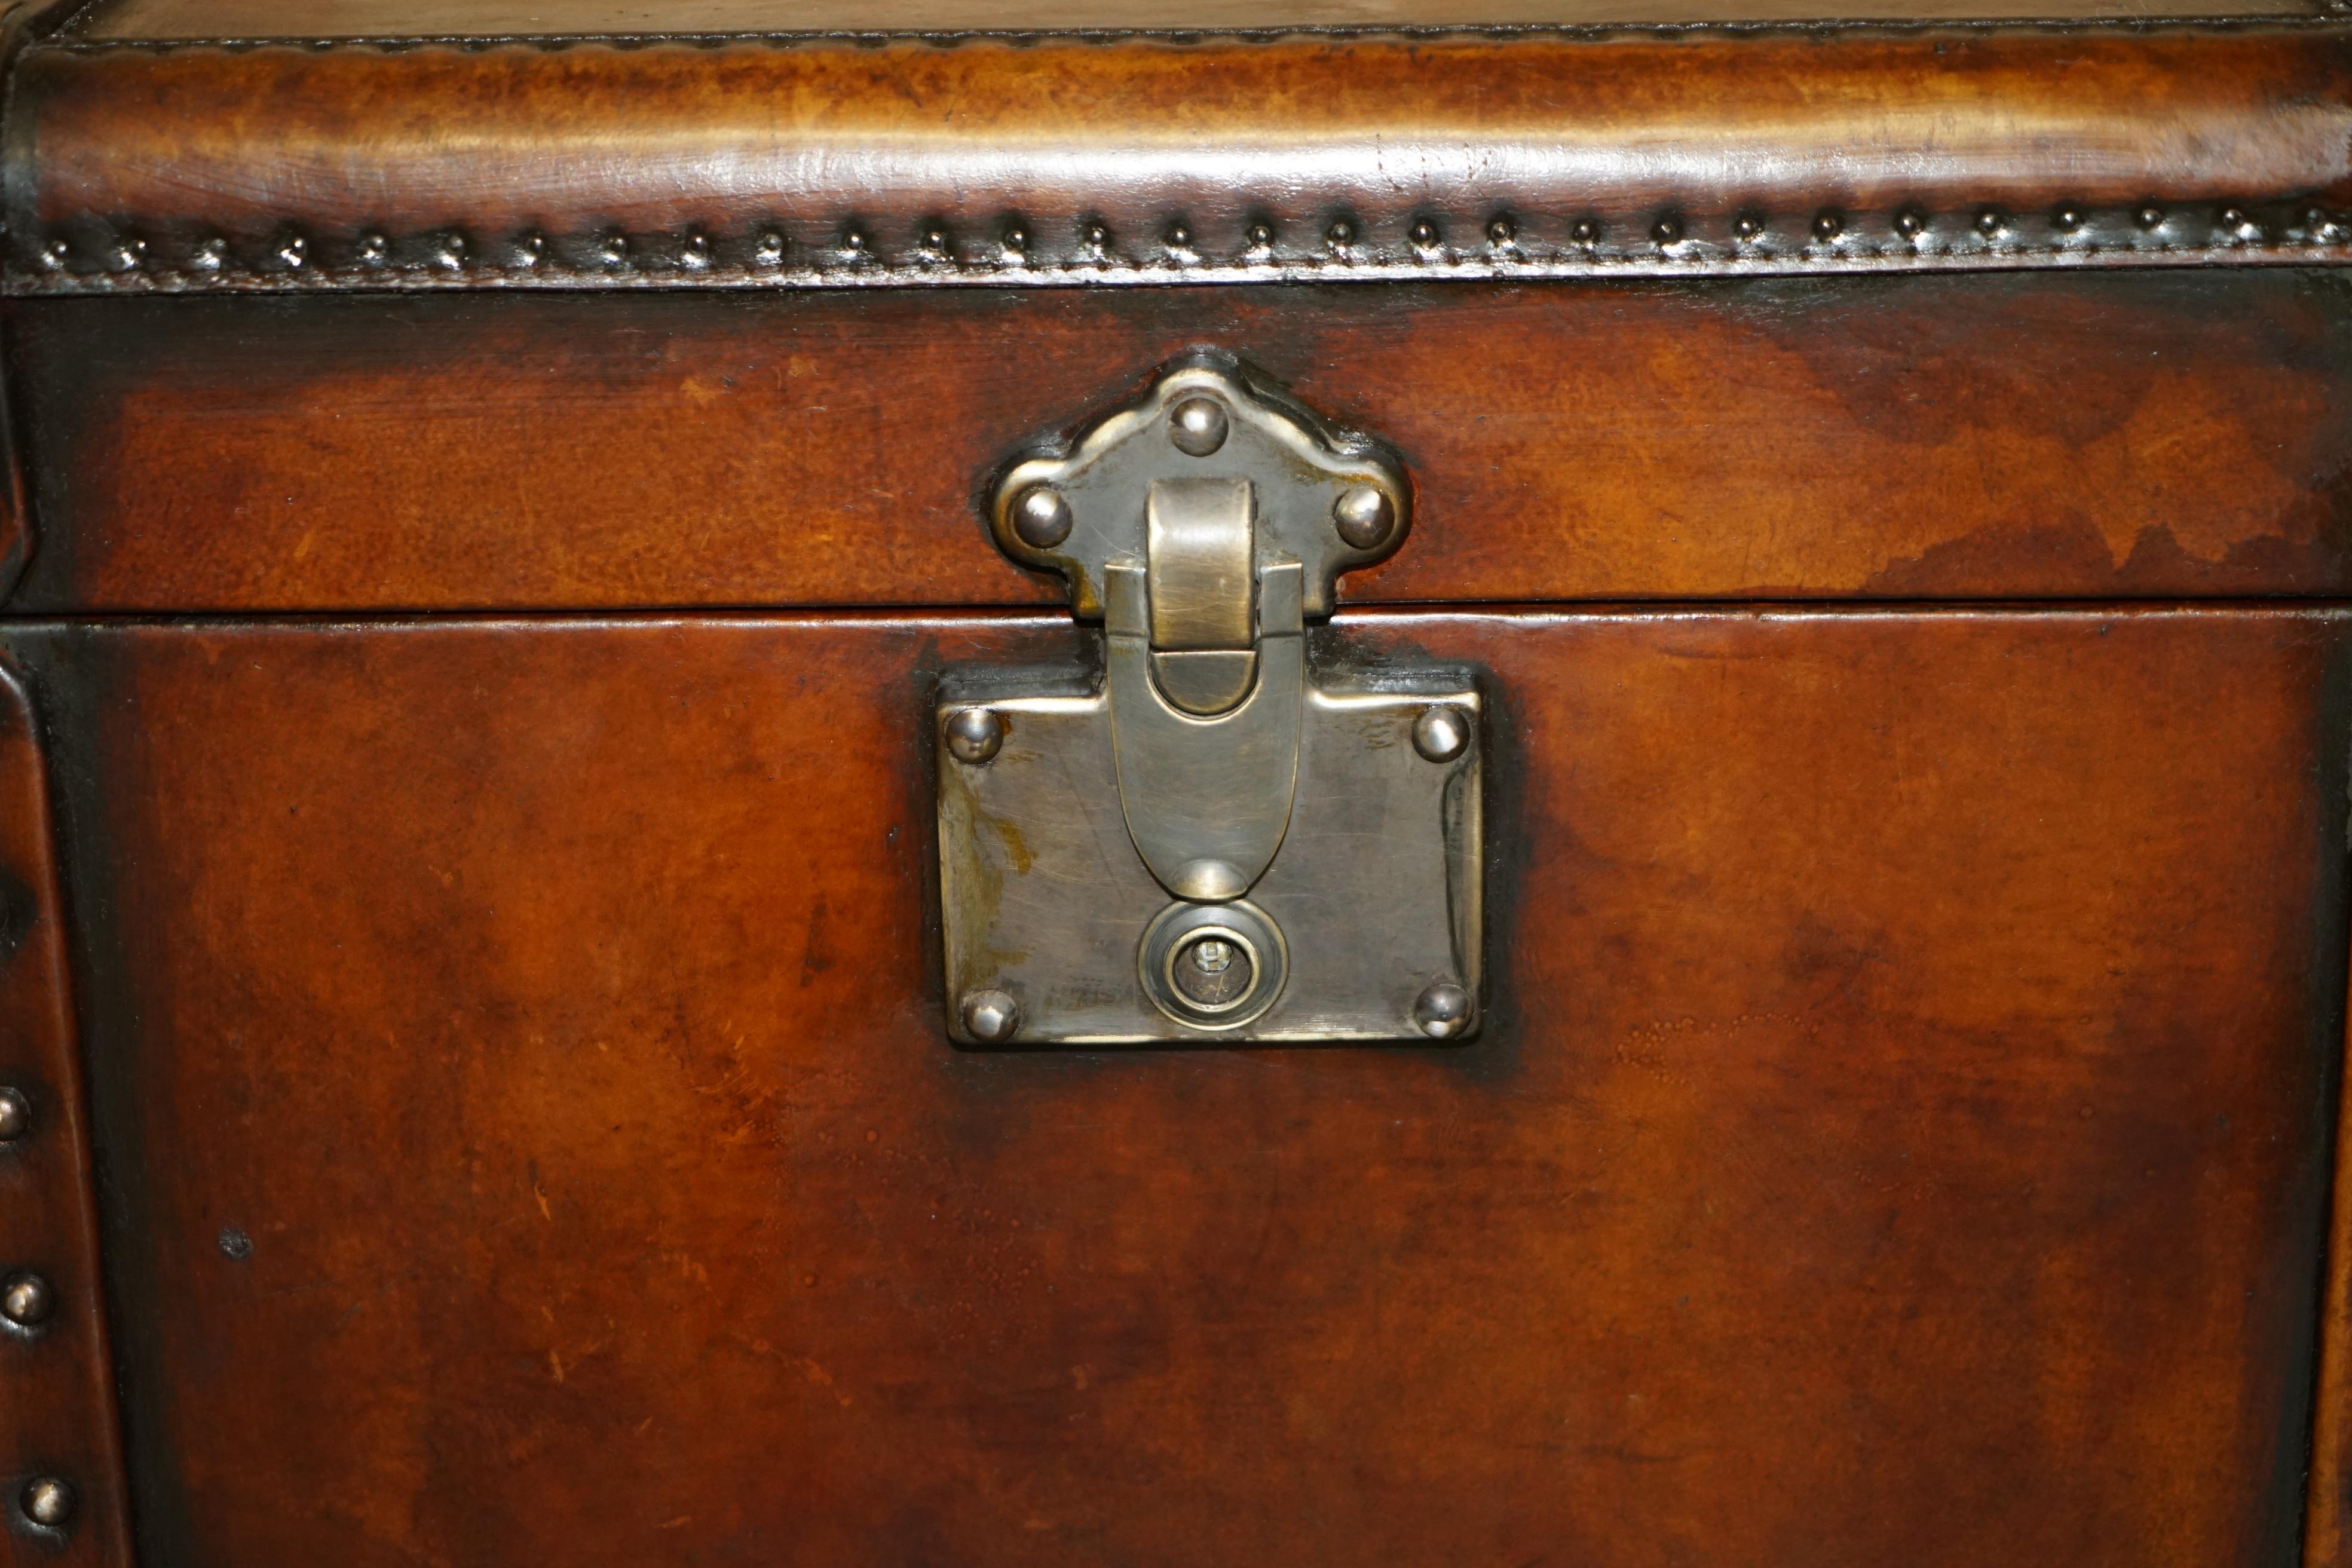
(87, 257)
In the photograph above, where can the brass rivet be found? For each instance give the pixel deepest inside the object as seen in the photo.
(771, 247)
(1585, 230)
(1425, 234)
(1500, 230)
(1667, 229)
(26, 1301)
(1443, 1010)
(2149, 216)
(974, 734)
(991, 1016)
(1197, 426)
(2234, 218)
(1909, 222)
(1440, 734)
(1179, 236)
(1097, 236)
(1260, 236)
(935, 239)
(1828, 226)
(47, 1501)
(1747, 226)
(1363, 516)
(1988, 221)
(1041, 517)
(2067, 218)
(1341, 234)
(854, 241)
(373, 247)
(15, 1115)
(1016, 237)
(291, 250)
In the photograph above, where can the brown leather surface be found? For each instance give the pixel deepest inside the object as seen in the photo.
(490, 18)
(1893, 1139)
(2028, 436)
(676, 164)
(57, 1380)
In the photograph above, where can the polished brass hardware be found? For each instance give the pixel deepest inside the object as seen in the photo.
(15, 1115)
(47, 1501)
(26, 1301)
(1216, 841)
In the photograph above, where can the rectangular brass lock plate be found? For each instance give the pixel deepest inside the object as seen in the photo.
(1214, 845)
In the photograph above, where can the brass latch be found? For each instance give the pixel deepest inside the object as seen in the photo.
(1298, 861)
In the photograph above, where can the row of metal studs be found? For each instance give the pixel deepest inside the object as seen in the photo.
(2233, 225)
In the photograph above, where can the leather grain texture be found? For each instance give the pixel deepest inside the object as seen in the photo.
(1143, 158)
(1898, 1134)
(2024, 436)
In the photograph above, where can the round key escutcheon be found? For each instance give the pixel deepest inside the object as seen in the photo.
(1213, 966)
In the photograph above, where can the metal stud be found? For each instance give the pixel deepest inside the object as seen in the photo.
(16, 1114)
(854, 241)
(1443, 1010)
(2233, 219)
(694, 250)
(1261, 235)
(1179, 238)
(1424, 235)
(991, 1016)
(1097, 239)
(1747, 225)
(1585, 230)
(1041, 516)
(1341, 234)
(1197, 426)
(374, 248)
(2067, 218)
(974, 734)
(935, 240)
(291, 250)
(1667, 229)
(453, 250)
(2149, 217)
(1910, 223)
(770, 251)
(1501, 230)
(614, 248)
(1441, 734)
(211, 255)
(1016, 238)
(531, 248)
(1828, 225)
(47, 1501)
(1988, 221)
(26, 1301)
(1363, 516)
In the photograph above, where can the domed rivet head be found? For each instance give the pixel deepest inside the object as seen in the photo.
(990, 1017)
(770, 251)
(47, 1501)
(2236, 219)
(2067, 218)
(15, 1115)
(1828, 226)
(1341, 234)
(1363, 516)
(974, 734)
(1747, 225)
(2149, 217)
(1500, 230)
(1910, 222)
(854, 241)
(1988, 221)
(935, 239)
(1197, 426)
(1261, 235)
(1179, 236)
(1041, 517)
(373, 248)
(1097, 237)
(1585, 230)
(1441, 734)
(1424, 235)
(292, 249)
(1442, 1011)
(1016, 238)
(26, 1301)
(1667, 229)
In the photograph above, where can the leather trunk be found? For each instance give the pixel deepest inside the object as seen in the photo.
(1725, 627)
